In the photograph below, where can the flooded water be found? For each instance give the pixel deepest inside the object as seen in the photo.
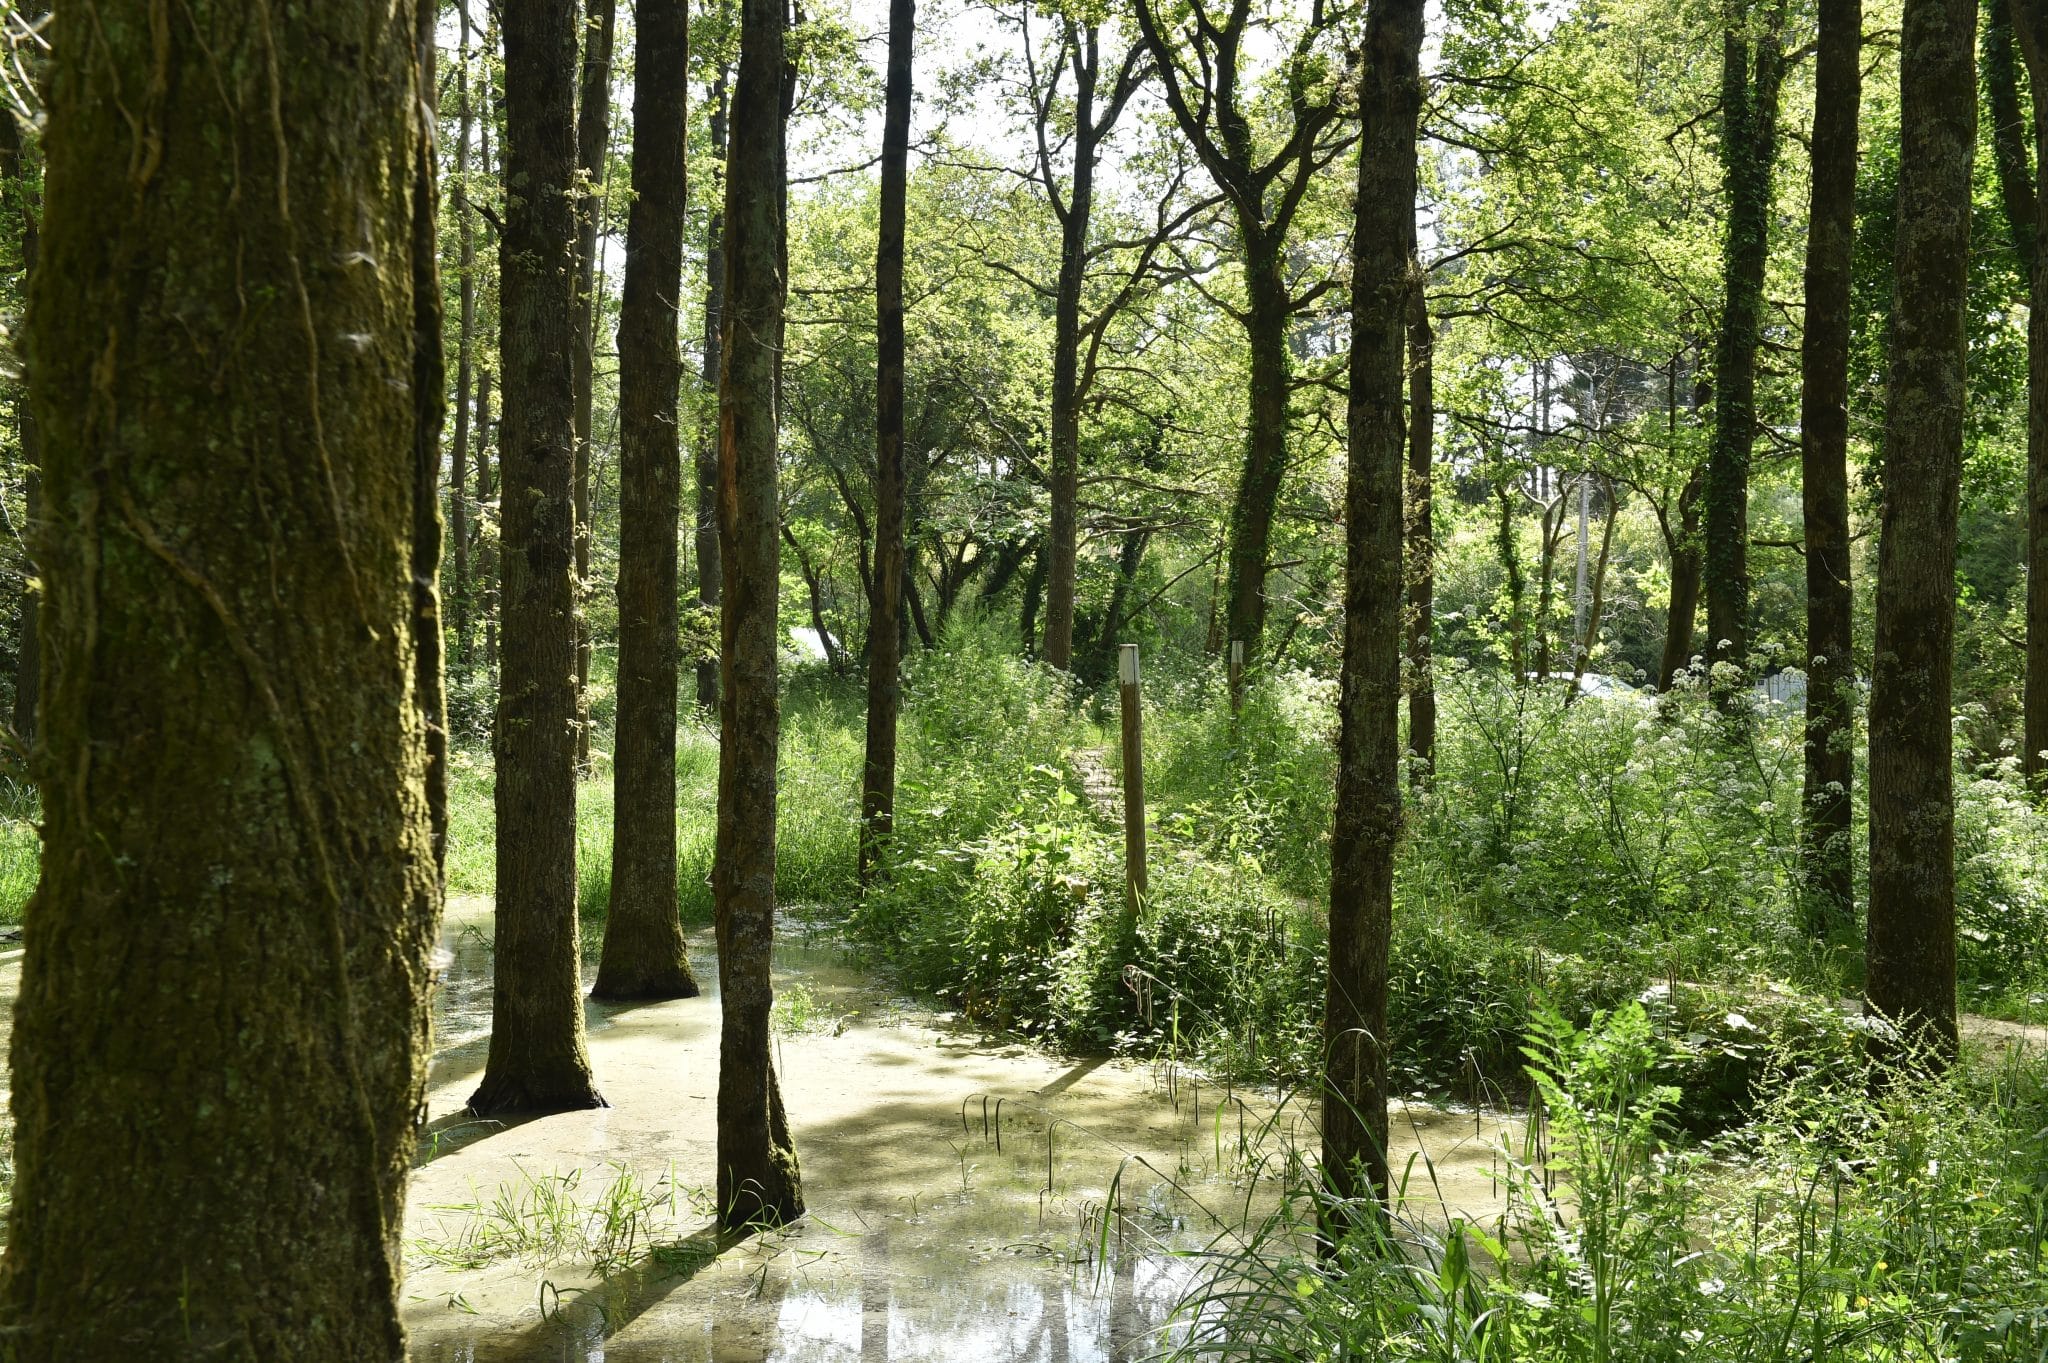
(968, 1199)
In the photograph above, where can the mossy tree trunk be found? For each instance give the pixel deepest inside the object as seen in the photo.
(465, 366)
(537, 1061)
(1752, 70)
(1830, 891)
(644, 954)
(1911, 953)
(227, 962)
(1368, 812)
(885, 629)
(758, 1178)
(2027, 206)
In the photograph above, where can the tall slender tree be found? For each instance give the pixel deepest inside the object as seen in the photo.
(885, 630)
(1752, 74)
(1081, 51)
(538, 1061)
(227, 959)
(1368, 812)
(758, 1177)
(1911, 953)
(644, 953)
(2026, 201)
(1421, 529)
(1830, 890)
(1205, 88)
(465, 237)
(707, 446)
(20, 177)
(593, 136)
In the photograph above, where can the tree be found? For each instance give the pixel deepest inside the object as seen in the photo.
(1081, 50)
(593, 133)
(758, 1177)
(1752, 72)
(458, 499)
(16, 170)
(1421, 532)
(2027, 210)
(1368, 813)
(1205, 88)
(537, 1062)
(1911, 953)
(1824, 471)
(644, 953)
(227, 962)
(885, 632)
(707, 447)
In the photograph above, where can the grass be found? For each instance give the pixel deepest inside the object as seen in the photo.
(577, 1216)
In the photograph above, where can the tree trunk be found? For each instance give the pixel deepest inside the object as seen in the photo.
(1911, 958)
(538, 1062)
(1683, 611)
(707, 446)
(1368, 817)
(15, 167)
(1421, 532)
(1588, 632)
(1265, 460)
(2027, 233)
(644, 954)
(885, 686)
(758, 1178)
(1063, 545)
(486, 559)
(593, 127)
(1824, 474)
(227, 959)
(1750, 77)
(465, 236)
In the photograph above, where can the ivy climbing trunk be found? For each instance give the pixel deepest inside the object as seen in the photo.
(644, 954)
(707, 445)
(1265, 451)
(1368, 811)
(226, 967)
(593, 129)
(1830, 891)
(758, 1178)
(1752, 69)
(1682, 614)
(1911, 952)
(538, 1061)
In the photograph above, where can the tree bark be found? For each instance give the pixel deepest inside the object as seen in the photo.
(1751, 73)
(1421, 531)
(1911, 959)
(15, 168)
(758, 1178)
(593, 129)
(644, 954)
(538, 1061)
(227, 959)
(885, 685)
(1824, 474)
(1368, 812)
(707, 447)
(1265, 457)
(486, 560)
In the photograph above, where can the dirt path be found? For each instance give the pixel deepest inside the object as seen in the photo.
(925, 1241)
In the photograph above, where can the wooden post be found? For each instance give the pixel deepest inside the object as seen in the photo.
(1134, 782)
(1236, 675)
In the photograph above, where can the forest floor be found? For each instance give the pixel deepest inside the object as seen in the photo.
(586, 1235)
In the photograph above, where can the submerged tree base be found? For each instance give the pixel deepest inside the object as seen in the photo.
(536, 1095)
